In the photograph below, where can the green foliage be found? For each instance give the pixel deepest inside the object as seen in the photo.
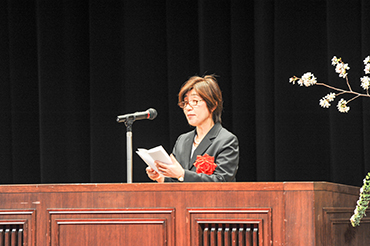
(362, 203)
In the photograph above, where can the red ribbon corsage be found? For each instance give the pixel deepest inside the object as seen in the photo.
(205, 164)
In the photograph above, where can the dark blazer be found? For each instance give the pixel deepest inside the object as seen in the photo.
(219, 143)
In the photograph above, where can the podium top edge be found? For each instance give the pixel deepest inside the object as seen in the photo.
(176, 187)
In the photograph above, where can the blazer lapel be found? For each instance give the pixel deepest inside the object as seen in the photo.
(188, 144)
(205, 144)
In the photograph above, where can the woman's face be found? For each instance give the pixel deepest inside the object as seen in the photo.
(199, 114)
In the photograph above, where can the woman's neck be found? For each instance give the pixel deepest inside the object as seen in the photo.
(203, 129)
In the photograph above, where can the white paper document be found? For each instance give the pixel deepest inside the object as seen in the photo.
(154, 154)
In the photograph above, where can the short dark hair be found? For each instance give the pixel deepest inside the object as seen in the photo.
(208, 89)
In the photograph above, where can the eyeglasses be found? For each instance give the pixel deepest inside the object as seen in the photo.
(192, 103)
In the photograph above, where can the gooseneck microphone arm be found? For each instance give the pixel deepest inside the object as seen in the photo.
(129, 119)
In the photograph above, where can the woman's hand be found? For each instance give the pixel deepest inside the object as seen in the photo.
(153, 175)
(173, 171)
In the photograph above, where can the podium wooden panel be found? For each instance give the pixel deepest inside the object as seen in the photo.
(181, 214)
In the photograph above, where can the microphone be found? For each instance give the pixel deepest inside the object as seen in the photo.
(148, 114)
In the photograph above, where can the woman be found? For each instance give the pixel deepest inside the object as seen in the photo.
(209, 152)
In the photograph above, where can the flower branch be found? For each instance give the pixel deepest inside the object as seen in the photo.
(343, 91)
(308, 79)
(349, 87)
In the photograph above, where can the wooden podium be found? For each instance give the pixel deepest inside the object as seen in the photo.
(181, 214)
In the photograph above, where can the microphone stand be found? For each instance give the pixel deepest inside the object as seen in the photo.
(129, 120)
(128, 124)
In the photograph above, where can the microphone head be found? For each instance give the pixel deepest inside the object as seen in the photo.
(152, 113)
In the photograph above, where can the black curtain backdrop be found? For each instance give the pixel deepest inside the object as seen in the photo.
(69, 68)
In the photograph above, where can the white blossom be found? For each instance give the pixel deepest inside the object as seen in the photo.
(307, 79)
(342, 106)
(330, 97)
(338, 67)
(293, 79)
(324, 103)
(342, 68)
(353, 219)
(334, 61)
(367, 59)
(365, 82)
(367, 68)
